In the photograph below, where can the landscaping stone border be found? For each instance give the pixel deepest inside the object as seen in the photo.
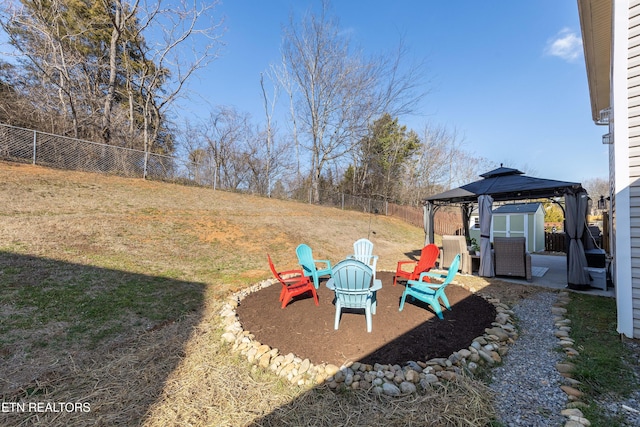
(572, 411)
(414, 376)
(391, 380)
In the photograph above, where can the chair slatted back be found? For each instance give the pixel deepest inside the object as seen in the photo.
(452, 245)
(453, 270)
(305, 258)
(427, 260)
(352, 280)
(363, 250)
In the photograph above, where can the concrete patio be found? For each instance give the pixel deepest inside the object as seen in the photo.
(556, 276)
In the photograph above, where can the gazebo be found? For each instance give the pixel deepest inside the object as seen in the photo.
(506, 184)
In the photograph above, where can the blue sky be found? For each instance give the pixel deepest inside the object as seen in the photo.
(509, 76)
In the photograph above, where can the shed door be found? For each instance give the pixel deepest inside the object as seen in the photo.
(499, 225)
(509, 225)
(516, 225)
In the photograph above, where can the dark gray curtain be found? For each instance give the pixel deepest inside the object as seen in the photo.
(575, 217)
(428, 213)
(485, 208)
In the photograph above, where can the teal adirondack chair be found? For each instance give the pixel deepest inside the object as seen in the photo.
(431, 293)
(354, 287)
(310, 265)
(363, 251)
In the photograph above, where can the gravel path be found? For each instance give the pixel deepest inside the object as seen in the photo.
(527, 384)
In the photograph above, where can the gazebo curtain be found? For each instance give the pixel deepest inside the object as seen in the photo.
(429, 212)
(485, 207)
(575, 216)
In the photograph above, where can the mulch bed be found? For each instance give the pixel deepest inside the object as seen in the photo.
(416, 333)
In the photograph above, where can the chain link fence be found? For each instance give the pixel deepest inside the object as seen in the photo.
(44, 149)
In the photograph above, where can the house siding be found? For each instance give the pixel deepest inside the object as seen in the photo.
(633, 114)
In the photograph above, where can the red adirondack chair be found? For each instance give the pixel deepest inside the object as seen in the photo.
(292, 286)
(427, 261)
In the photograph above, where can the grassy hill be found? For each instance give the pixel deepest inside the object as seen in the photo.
(110, 289)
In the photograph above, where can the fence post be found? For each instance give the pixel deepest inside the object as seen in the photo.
(35, 138)
(342, 200)
(146, 160)
(386, 208)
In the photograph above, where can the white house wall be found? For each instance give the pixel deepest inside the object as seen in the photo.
(625, 116)
(633, 85)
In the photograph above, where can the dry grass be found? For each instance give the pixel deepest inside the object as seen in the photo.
(162, 362)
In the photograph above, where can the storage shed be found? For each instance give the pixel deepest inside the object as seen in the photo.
(514, 220)
(520, 220)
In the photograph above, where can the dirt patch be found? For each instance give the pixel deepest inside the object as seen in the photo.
(415, 333)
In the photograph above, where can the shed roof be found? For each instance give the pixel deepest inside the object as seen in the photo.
(517, 208)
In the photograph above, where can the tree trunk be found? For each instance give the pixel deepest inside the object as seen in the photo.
(111, 88)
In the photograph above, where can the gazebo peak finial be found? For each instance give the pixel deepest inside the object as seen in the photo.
(501, 171)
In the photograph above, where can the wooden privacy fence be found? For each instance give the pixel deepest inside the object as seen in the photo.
(410, 214)
(447, 228)
(555, 242)
(444, 223)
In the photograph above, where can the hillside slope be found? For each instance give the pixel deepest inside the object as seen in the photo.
(111, 291)
(177, 231)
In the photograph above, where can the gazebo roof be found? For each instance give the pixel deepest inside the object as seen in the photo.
(505, 184)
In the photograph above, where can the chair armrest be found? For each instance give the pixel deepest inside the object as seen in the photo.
(326, 261)
(373, 257)
(401, 263)
(330, 284)
(465, 262)
(296, 272)
(374, 261)
(423, 285)
(429, 274)
(377, 285)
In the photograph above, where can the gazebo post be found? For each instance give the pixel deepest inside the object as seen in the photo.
(466, 215)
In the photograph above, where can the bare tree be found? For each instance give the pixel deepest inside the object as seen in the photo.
(284, 80)
(121, 16)
(596, 187)
(225, 134)
(112, 64)
(336, 92)
(45, 40)
(200, 161)
(440, 164)
(184, 27)
(268, 111)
